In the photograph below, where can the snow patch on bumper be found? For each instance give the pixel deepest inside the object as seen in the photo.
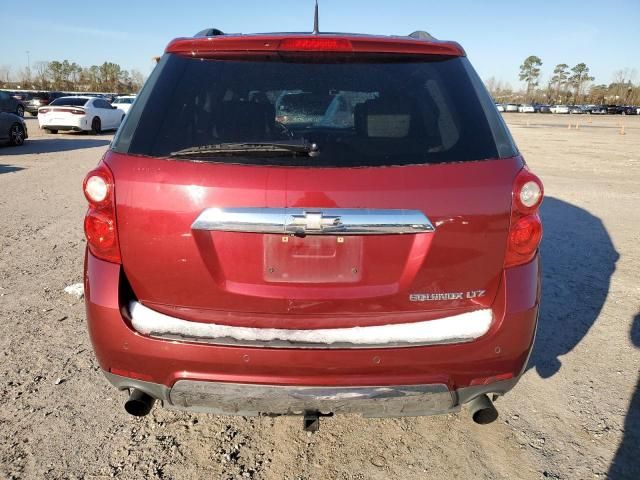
(464, 327)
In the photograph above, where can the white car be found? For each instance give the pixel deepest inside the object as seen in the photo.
(500, 107)
(560, 109)
(124, 102)
(526, 109)
(79, 114)
(511, 107)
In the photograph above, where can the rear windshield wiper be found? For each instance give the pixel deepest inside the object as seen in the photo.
(228, 149)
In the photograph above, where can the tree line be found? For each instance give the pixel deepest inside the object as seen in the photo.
(567, 85)
(69, 76)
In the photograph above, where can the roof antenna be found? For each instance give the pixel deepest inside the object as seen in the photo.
(316, 30)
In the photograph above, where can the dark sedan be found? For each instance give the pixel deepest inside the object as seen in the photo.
(10, 104)
(13, 130)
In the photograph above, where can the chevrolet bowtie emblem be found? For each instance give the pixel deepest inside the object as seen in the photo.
(314, 222)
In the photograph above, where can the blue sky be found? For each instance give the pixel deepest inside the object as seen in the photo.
(497, 35)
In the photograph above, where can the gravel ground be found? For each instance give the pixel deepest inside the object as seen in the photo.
(574, 415)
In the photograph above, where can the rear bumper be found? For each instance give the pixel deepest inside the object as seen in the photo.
(76, 124)
(249, 380)
(253, 400)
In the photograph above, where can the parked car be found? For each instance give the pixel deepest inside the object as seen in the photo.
(124, 102)
(24, 97)
(629, 110)
(79, 114)
(575, 110)
(13, 129)
(526, 109)
(560, 109)
(597, 109)
(511, 107)
(339, 113)
(10, 104)
(500, 107)
(41, 99)
(544, 109)
(238, 264)
(614, 109)
(302, 108)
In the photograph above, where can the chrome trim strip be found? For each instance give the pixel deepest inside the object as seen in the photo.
(373, 401)
(313, 221)
(464, 327)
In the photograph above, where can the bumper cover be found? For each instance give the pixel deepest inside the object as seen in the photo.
(253, 400)
(377, 382)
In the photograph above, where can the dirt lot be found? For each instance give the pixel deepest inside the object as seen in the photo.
(574, 415)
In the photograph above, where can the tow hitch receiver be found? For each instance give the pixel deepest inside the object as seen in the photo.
(311, 420)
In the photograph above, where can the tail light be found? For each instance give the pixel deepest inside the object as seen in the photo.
(525, 230)
(43, 110)
(100, 226)
(316, 45)
(75, 111)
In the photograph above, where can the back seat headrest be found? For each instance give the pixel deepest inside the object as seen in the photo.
(384, 117)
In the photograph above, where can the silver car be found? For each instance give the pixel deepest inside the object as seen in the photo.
(13, 130)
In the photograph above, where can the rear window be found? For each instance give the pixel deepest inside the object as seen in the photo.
(69, 102)
(358, 113)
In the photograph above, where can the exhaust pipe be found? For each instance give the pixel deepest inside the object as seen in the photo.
(482, 410)
(139, 403)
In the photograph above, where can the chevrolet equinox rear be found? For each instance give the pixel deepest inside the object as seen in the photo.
(313, 224)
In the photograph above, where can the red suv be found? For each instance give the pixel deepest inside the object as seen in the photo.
(313, 224)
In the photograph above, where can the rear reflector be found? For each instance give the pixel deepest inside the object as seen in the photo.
(131, 374)
(493, 379)
(316, 45)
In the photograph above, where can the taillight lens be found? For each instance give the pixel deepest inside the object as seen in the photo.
(43, 110)
(100, 226)
(525, 231)
(100, 230)
(77, 112)
(97, 188)
(527, 192)
(525, 235)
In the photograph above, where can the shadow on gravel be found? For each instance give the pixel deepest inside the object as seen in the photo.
(626, 464)
(9, 168)
(56, 144)
(578, 259)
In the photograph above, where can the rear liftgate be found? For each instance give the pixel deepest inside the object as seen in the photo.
(301, 222)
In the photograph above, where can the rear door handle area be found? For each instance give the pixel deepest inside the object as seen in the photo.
(313, 221)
